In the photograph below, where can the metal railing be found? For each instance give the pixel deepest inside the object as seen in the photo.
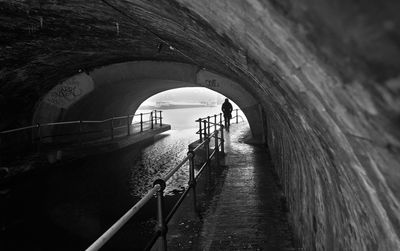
(114, 123)
(160, 184)
(206, 123)
(31, 138)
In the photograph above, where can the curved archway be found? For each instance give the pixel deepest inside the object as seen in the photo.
(181, 107)
(119, 89)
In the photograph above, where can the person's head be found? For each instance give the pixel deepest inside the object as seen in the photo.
(226, 100)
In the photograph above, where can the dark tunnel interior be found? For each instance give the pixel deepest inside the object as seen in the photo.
(325, 74)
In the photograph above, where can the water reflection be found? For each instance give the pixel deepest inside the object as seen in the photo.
(73, 203)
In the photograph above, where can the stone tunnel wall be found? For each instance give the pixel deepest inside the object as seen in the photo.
(338, 171)
(326, 74)
(332, 131)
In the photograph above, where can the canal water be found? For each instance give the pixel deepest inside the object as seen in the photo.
(67, 206)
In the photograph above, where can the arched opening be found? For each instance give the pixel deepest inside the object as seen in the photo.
(182, 106)
(119, 89)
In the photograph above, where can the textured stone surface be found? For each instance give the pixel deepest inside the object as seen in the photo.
(249, 213)
(326, 74)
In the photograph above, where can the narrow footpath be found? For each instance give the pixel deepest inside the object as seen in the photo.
(248, 212)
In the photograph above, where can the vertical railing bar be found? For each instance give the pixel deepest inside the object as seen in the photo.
(80, 132)
(192, 179)
(141, 122)
(39, 132)
(112, 128)
(208, 122)
(222, 139)
(216, 147)
(160, 119)
(161, 224)
(128, 125)
(200, 130)
(40, 137)
(151, 118)
(215, 122)
(208, 166)
(205, 129)
(237, 117)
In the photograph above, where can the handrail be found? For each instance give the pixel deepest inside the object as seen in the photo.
(123, 220)
(159, 186)
(205, 129)
(236, 110)
(72, 122)
(175, 169)
(37, 138)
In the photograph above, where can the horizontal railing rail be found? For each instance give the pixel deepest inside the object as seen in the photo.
(32, 138)
(75, 122)
(216, 120)
(160, 184)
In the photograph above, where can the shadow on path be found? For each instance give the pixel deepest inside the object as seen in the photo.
(246, 208)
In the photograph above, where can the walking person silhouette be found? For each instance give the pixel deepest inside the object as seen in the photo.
(227, 110)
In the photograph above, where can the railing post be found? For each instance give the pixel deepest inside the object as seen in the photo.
(237, 117)
(40, 137)
(192, 180)
(222, 139)
(39, 132)
(220, 118)
(208, 166)
(160, 119)
(112, 128)
(80, 131)
(141, 122)
(155, 117)
(161, 227)
(216, 147)
(208, 122)
(215, 122)
(151, 118)
(200, 130)
(205, 129)
(128, 125)
(207, 148)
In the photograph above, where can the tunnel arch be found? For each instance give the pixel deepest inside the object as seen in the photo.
(119, 89)
(179, 104)
(326, 74)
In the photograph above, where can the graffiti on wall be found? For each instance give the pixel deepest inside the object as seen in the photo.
(70, 91)
(211, 83)
(225, 86)
(209, 80)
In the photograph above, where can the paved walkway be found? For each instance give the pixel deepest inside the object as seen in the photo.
(247, 212)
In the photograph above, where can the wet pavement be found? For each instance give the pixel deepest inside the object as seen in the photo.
(239, 208)
(246, 209)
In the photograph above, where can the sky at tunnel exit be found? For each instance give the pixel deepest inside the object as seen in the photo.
(186, 95)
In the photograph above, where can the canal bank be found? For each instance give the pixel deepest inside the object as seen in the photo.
(47, 155)
(76, 201)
